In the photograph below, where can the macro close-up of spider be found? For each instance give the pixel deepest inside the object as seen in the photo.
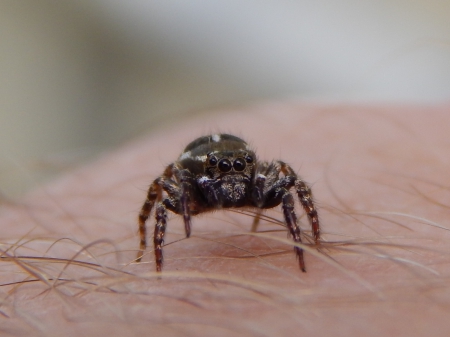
(221, 171)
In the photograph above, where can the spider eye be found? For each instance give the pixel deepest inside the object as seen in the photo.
(225, 165)
(239, 164)
(249, 159)
(213, 161)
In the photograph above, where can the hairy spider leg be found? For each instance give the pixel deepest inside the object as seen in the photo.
(177, 201)
(291, 222)
(304, 194)
(154, 194)
(158, 237)
(270, 190)
(306, 200)
(268, 183)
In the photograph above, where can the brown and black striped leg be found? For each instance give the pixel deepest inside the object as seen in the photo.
(304, 194)
(177, 202)
(158, 237)
(154, 193)
(294, 229)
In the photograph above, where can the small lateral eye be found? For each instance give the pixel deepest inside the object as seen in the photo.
(249, 159)
(213, 161)
(239, 164)
(225, 165)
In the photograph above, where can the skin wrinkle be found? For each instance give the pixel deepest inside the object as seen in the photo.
(365, 166)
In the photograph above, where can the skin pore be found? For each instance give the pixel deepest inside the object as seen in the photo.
(379, 177)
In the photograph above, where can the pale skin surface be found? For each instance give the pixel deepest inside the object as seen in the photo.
(380, 179)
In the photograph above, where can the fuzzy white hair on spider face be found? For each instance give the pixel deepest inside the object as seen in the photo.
(185, 155)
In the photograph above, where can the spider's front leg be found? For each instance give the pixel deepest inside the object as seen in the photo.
(291, 222)
(270, 190)
(306, 200)
(304, 194)
(154, 194)
(160, 231)
(177, 201)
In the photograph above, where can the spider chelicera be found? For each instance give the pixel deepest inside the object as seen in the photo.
(221, 171)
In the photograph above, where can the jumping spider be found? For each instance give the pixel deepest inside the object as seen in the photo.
(221, 171)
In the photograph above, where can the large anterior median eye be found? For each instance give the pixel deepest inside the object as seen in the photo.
(224, 165)
(239, 164)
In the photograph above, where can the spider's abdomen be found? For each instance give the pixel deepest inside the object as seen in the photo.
(219, 141)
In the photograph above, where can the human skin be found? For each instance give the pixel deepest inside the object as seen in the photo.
(379, 179)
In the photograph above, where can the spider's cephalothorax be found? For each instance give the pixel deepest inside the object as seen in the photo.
(221, 171)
